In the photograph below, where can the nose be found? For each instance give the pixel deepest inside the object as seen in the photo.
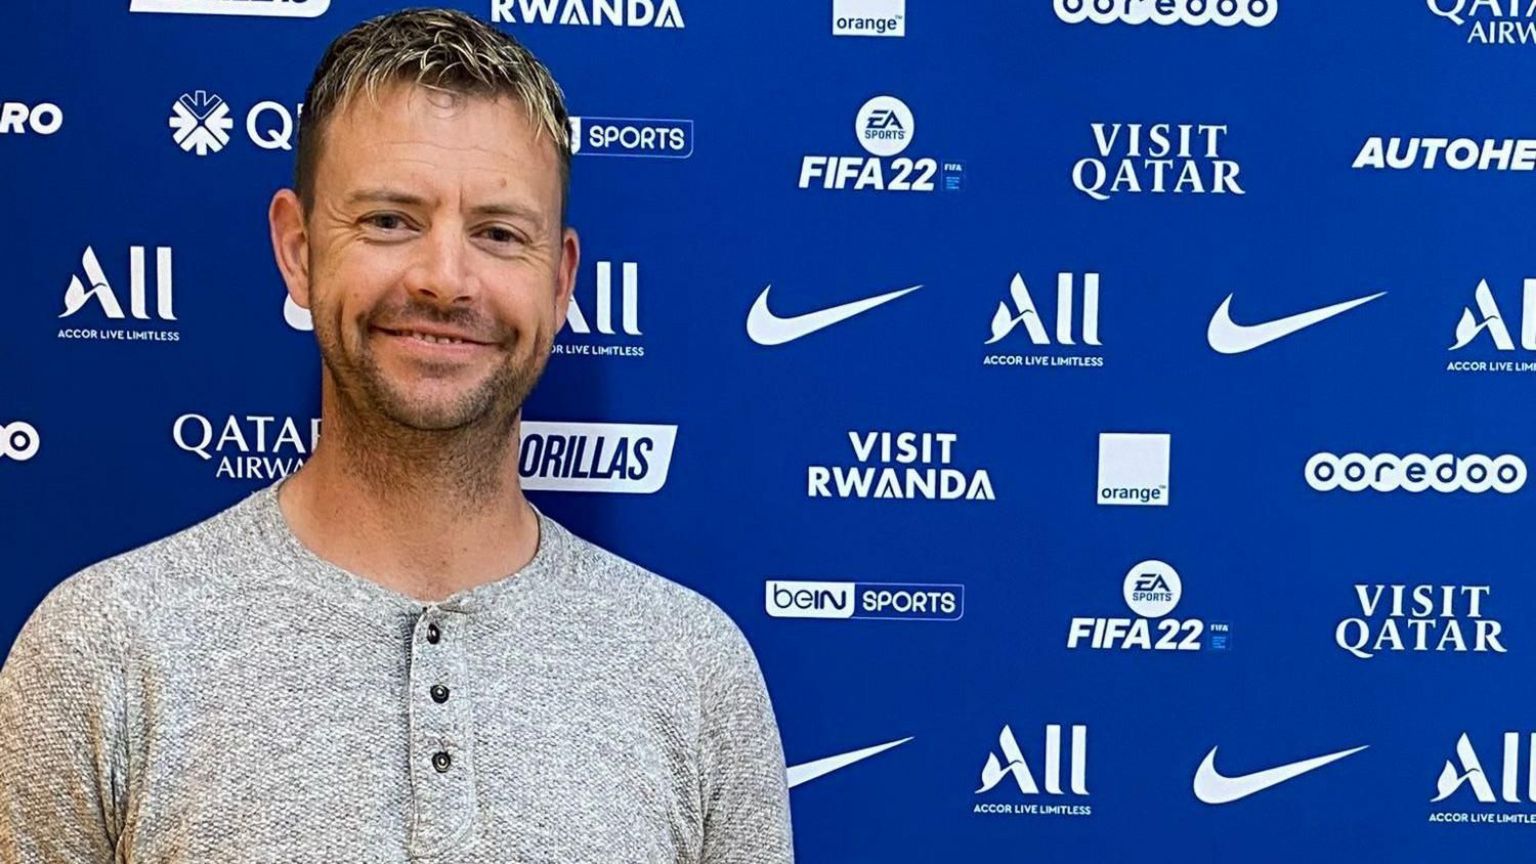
(442, 275)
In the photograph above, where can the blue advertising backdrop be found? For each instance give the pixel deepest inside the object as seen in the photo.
(1115, 407)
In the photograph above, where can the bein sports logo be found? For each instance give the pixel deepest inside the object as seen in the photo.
(264, 8)
(1223, 13)
(1416, 472)
(843, 600)
(19, 441)
(639, 137)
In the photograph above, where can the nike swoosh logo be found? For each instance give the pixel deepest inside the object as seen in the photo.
(1212, 788)
(1228, 337)
(766, 328)
(809, 771)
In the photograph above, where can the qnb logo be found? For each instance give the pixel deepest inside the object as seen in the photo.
(1416, 472)
(595, 457)
(264, 8)
(1160, 158)
(200, 123)
(19, 441)
(1224, 13)
(638, 137)
(1013, 766)
(1493, 22)
(19, 118)
(1466, 770)
(589, 13)
(843, 600)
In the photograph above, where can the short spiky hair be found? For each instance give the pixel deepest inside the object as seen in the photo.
(441, 48)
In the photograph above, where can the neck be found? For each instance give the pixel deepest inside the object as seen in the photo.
(424, 513)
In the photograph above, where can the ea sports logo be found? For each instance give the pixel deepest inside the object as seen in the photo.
(18, 441)
(884, 126)
(1415, 472)
(1152, 589)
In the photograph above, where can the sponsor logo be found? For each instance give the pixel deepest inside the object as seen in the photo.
(1014, 766)
(884, 127)
(843, 600)
(902, 466)
(1212, 787)
(595, 457)
(1457, 154)
(631, 136)
(1133, 468)
(1228, 337)
(766, 328)
(1488, 319)
(200, 122)
(596, 337)
(808, 771)
(869, 17)
(1416, 472)
(19, 118)
(1490, 22)
(1463, 773)
(1022, 312)
(95, 290)
(297, 316)
(1223, 13)
(589, 13)
(1419, 618)
(266, 8)
(248, 447)
(19, 441)
(1156, 158)
(1152, 589)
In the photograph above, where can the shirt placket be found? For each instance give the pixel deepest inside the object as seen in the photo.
(442, 761)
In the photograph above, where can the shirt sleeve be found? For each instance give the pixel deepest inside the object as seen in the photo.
(61, 722)
(745, 797)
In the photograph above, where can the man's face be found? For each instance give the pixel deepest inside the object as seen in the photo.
(438, 271)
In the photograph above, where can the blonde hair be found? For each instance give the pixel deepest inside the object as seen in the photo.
(443, 49)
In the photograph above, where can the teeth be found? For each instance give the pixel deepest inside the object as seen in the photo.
(435, 340)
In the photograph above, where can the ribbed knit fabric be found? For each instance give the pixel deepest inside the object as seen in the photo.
(224, 695)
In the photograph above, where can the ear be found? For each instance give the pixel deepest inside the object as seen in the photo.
(570, 257)
(290, 244)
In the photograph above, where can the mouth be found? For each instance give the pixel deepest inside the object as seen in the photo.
(432, 337)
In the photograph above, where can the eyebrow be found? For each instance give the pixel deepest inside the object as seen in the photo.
(494, 208)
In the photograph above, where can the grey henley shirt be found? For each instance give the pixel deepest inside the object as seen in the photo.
(225, 695)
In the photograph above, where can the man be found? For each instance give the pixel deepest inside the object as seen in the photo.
(391, 655)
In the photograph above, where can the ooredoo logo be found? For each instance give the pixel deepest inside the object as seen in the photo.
(1224, 13)
(1416, 472)
(18, 441)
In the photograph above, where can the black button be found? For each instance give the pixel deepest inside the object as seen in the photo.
(439, 693)
(441, 760)
(434, 635)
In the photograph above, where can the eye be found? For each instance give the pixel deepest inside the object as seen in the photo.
(501, 235)
(385, 221)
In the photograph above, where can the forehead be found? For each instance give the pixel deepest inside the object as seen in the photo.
(410, 132)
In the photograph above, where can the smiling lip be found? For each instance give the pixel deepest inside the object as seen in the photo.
(437, 337)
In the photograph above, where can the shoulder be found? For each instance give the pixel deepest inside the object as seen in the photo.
(102, 604)
(696, 623)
